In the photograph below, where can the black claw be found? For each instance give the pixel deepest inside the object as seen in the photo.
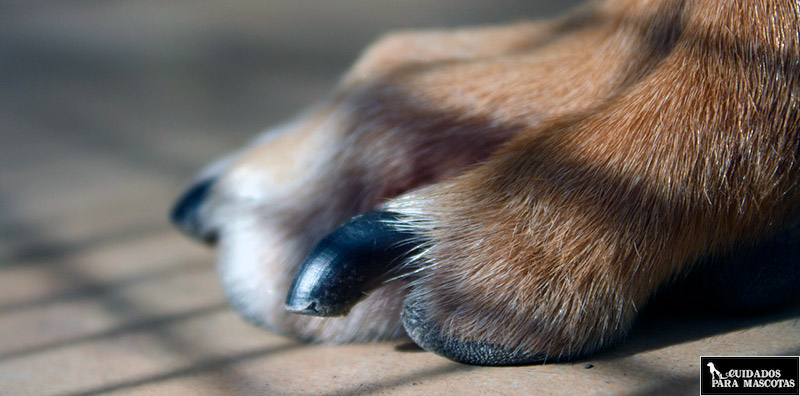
(186, 212)
(352, 260)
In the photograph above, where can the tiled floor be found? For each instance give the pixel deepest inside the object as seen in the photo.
(107, 107)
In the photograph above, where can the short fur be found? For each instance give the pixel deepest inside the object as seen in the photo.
(557, 172)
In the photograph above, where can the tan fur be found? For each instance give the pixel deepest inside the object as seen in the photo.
(570, 166)
(552, 244)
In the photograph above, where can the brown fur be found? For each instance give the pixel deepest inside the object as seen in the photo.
(552, 244)
(568, 167)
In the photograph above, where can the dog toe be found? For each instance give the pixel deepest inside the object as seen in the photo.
(431, 337)
(349, 262)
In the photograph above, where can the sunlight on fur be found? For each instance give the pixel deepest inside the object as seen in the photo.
(555, 174)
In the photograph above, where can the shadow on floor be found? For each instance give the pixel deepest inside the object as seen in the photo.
(222, 363)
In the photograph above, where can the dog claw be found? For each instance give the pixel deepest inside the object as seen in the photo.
(186, 213)
(352, 260)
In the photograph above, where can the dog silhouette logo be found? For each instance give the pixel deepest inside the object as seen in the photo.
(714, 371)
(749, 375)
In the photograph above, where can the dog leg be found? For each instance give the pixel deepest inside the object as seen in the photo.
(549, 248)
(267, 205)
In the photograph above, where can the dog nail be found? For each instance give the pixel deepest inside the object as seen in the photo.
(352, 260)
(186, 212)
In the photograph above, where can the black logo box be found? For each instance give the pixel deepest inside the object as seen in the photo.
(789, 367)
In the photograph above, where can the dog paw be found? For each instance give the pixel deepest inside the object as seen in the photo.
(264, 208)
(491, 281)
(500, 284)
(491, 284)
(267, 206)
(576, 184)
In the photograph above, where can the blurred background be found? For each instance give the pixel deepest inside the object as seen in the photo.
(106, 109)
(95, 90)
